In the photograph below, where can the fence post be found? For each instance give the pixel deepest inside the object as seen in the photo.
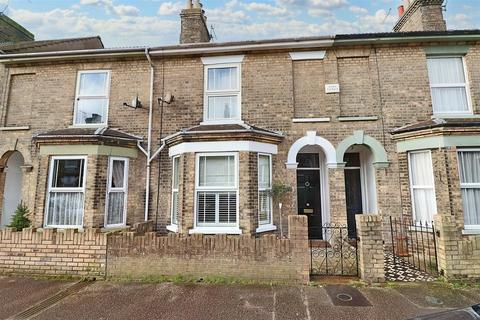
(298, 235)
(371, 260)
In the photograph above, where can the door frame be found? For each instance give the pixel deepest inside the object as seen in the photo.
(324, 187)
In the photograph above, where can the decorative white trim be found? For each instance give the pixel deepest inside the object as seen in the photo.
(173, 228)
(215, 230)
(14, 128)
(222, 146)
(223, 59)
(226, 121)
(311, 139)
(307, 55)
(455, 116)
(311, 120)
(266, 228)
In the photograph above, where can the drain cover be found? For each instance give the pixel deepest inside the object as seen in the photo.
(346, 296)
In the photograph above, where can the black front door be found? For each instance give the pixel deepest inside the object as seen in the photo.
(308, 193)
(353, 191)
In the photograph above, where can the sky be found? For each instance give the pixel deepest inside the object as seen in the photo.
(125, 23)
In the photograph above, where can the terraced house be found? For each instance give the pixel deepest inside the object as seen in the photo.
(200, 137)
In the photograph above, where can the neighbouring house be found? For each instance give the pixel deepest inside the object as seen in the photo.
(194, 136)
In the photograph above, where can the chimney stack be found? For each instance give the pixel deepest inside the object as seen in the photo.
(420, 15)
(194, 23)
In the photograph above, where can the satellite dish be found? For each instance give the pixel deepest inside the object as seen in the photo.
(136, 103)
(168, 98)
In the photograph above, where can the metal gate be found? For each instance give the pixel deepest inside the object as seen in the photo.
(335, 254)
(411, 254)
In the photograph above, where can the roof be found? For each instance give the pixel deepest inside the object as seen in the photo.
(254, 45)
(73, 133)
(229, 128)
(438, 123)
(52, 45)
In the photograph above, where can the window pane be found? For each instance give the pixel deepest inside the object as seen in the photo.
(93, 84)
(217, 171)
(222, 79)
(445, 70)
(65, 209)
(222, 108)
(206, 203)
(469, 166)
(118, 174)
(176, 173)
(425, 206)
(449, 100)
(471, 206)
(91, 111)
(68, 173)
(175, 207)
(264, 172)
(265, 209)
(421, 169)
(116, 208)
(227, 207)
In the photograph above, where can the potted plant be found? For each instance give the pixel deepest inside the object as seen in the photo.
(278, 194)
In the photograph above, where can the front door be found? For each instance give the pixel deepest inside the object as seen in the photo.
(353, 191)
(308, 193)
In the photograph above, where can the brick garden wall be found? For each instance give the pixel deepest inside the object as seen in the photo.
(53, 253)
(242, 257)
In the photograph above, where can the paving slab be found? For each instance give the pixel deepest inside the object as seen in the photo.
(17, 294)
(434, 295)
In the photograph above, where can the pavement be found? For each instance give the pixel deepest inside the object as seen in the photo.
(114, 300)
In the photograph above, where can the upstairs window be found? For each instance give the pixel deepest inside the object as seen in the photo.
(448, 85)
(222, 93)
(91, 103)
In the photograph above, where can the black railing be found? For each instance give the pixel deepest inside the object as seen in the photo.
(414, 242)
(335, 254)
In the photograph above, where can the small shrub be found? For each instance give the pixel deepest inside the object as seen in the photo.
(20, 219)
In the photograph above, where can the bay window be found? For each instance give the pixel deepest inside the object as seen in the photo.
(117, 192)
(422, 186)
(66, 190)
(448, 85)
(222, 93)
(92, 98)
(469, 167)
(217, 190)
(264, 189)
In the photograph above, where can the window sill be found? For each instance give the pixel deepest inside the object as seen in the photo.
(455, 116)
(471, 232)
(366, 118)
(114, 228)
(215, 230)
(93, 125)
(24, 128)
(311, 120)
(266, 228)
(226, 121)
(173, 228)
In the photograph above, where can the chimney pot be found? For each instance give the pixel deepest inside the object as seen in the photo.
(196, 4)
(401, 11)
(189, 4)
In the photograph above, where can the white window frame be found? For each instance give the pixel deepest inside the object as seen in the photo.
(174, 226)
(51, 189)
(263, 227)
(124, 189)
(221, 93)
(217, 228)
(78, 97)
(468, 185)
(412, 187)
(465, 85)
